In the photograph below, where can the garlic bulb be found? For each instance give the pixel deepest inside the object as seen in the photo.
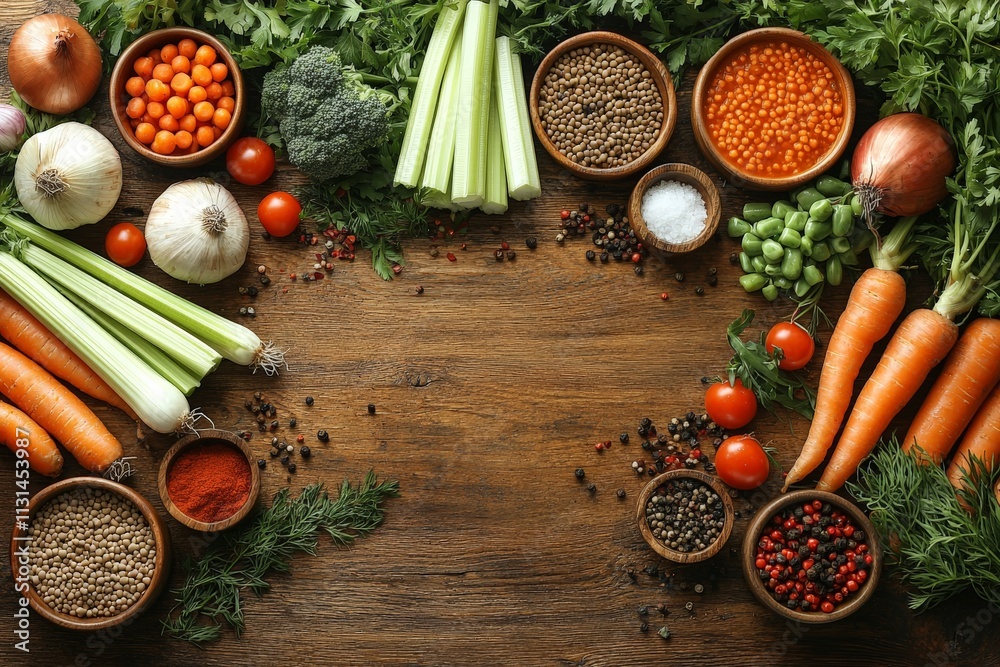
(197, 232)
(68, 176)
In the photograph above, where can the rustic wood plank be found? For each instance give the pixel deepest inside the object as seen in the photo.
(491, 388)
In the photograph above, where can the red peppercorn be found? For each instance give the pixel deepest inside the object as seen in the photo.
(827, 607)
(760, 563)
(664, 296)
(564, 214)
(300, 438)
(451, 257)
(599, 446)
(852, 585)
(636, 257)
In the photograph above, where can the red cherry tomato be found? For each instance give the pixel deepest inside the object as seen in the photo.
(742, 463)
(250, 161)
(730, 406)
(795, 342)
(279, 213)
(125, 244)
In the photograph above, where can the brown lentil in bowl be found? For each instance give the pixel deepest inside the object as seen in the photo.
(600, 106)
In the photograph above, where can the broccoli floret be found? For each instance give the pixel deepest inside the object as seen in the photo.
(329, 118)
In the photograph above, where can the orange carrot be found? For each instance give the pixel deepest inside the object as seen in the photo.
(920, 343)
(17, 428)
(57, 410)
(968, 376)
(30, 336)
(981, 439)
(875, 302)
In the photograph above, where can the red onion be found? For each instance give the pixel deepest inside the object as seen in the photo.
(900, 165)
(12, 125)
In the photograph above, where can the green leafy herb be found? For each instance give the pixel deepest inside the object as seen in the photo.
(758, 370)
(241, 560)
(936, 544)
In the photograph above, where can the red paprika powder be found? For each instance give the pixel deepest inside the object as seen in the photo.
(209, 482)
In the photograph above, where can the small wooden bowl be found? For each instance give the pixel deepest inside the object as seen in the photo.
(754, 530)
(731, 172)
(161, 571)
(662, 549)
(206, 437)
(119, 98)
(661, 79)
(682, 173)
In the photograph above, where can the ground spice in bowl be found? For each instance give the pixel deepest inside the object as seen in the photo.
(210, 481)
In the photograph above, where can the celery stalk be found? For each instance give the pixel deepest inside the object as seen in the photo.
(468, 185)
(441, 148)
(518, 144)
(496, 173)
(425, 98)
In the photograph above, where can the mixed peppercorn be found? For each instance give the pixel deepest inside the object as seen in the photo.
(265, 414)
(812, 557)
(611, 233)
(686, 515)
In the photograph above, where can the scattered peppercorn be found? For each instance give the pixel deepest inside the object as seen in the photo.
(679, 277)
(300, 438)
(623, 438)
(699, 290)
(284, 460)
(592, 488)
(309, 400)
(664, 296)
(292, 468)
(261, 463)
(713, 281)
(498, 255)
(643, 627)
(689, 606)
(305, 451)
(371, 408)
(664, 632)
(292, 422)
(419, 289)
(579, 472)
(604, 257)
(531, 242)
(638, 270)
(323, 435)
(734, 258)
(590, 254)
(264, 280)
(699, 589)
(621, 494)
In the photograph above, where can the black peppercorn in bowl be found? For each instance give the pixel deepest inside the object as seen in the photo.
(811, 556)
(701, 532)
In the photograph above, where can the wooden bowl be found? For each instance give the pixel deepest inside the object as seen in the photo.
(754, 530)
(119, 98)
(206, 437)
(161, 571)
(682, 173)
(731, 172)
(662, 549)
(661, 78)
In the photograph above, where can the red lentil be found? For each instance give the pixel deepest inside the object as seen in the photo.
(774, 109)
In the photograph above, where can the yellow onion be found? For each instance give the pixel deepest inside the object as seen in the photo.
(900, 165)
(54, 63)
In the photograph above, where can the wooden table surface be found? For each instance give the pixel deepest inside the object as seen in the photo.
(491, 388)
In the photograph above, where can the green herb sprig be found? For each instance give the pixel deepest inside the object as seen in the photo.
(934, 542)
(241, 560)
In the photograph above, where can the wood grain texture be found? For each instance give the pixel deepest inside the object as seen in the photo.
(490, 388)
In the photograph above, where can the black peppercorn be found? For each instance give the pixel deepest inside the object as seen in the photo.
(264, 280)
(498, 255)
(643, 610)
(591, 255)
(604, 257)
(292, 468)
(309, 400)
(713, 281)
(638, 269)
(261, 463)
(734, 258)
(323, 435)
(531, 242)
(305, 451)
(592, 488)
(579, 472)
(699, 290)
(623, 438)
(643, 627)
(292, 422)
(252, 291)
(284, 460)
(371, 408)
(274, 424)
(621, 494)
(274, 452)
(679, 277)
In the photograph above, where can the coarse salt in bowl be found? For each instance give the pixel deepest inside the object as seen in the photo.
(674, 208)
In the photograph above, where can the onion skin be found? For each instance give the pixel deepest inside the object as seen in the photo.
(54, 64)
(901, 163)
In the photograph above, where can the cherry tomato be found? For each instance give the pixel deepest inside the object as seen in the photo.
(250, 161)
(742, 463)
(730, 406)
(125, 244)
(279, 213)
(795, 342)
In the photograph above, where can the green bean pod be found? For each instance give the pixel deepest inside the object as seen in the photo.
(820, 251)
(769, 228)
(817, 230)
(756, 211)
(737, 227)
(752, 282)
(801, 287)
(782, 207)
(770, 292)
(751, 244)
(812, 275)
(790, 238)
(791, 264)
(806, 198)
(806, 246)
(834, 271)
(821, 210)
(843, 220)
(797, 221)
(758, 264)
(773, 270)
(745, 263)
(781, 282)
(832, 187)
(839, 244)
(771, 250)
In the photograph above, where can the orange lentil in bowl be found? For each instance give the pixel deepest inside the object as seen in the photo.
(774, 109)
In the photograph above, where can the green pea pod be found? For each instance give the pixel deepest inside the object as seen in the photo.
(857, 208)
(817, 230)
(781, 208)
(745, 263)
(758, 264)
(839, 244)
(770, 292)
(832, 187)
(797, 221)
(821, 210)
(806, 198)
(812, 275)
(752, 282)
(790, 238)
(751, 244)
(737, 227)
(769, 228)
(843, 220)
(848, 258)
(801, 287)
(791, 264)
(821, 251)
(755, 212)
(806, 246)
(834, 271)
(781, 282)
(773, 270)
(772, 250)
